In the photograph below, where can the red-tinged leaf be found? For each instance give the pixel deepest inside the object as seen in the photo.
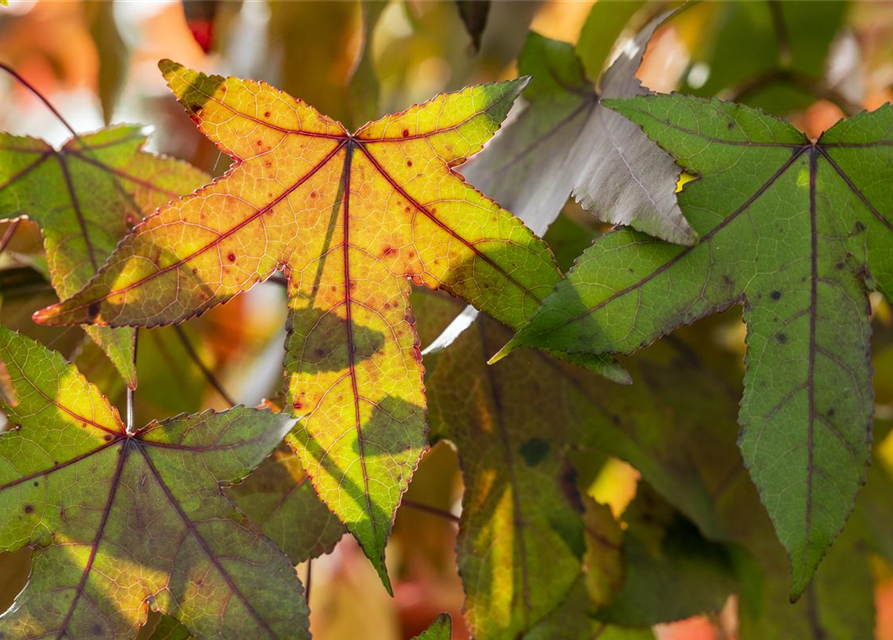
(123, 522)
(86, 196)
(352, 218)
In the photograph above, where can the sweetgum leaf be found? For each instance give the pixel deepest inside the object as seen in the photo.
(352, 217)
(279, 498)
(797, 232)
(522, 537)
(120, 523)
(86, 196)
(564, 141)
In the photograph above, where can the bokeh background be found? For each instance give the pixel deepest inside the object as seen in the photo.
(97, 63)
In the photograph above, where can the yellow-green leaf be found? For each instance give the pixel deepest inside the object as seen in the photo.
(121, 523)
(352, 217)
(86, 196)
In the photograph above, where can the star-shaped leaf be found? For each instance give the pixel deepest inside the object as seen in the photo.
(565, 142)
(798, 232)
(352, 217)
(120, 523)
(86, 196)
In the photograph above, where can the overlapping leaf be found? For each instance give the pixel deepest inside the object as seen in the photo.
(352, 218)
(521, 542)
(86, 197)
(279, 497)
(798, 232)
(565, 142)
(120, 523)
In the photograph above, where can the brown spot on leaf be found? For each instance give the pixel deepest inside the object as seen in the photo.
(29, 508)
(775, 295)
(406, 133)
(93, 310)
(231, 257)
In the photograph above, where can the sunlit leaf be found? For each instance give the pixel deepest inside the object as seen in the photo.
(120, 523)
(352, 218)
(86, 196)
(799, 233)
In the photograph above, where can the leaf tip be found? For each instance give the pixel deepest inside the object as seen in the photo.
(502, 353)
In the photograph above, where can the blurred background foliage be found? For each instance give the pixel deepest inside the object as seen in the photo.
(695, 538)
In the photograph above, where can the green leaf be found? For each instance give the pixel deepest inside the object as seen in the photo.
(787, 45)
(279, 497)
(440, 629)
(565, 142)
(474, 15)
(672, 572)
(120, 523)
(604, 24)
(520, 534)
(515, 459)
(791, 229)
(86, 197)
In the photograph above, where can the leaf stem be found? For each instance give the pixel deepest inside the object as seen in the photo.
(446, 515)
(129, 425)
(40, 96)
(782, 39)
(209, 376)
(10, 232)
(307, 581)
(816, 88)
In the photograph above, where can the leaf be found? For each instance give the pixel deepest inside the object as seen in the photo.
(352, 217)
(787, 45)
(363, 87)
(599, 34)
(565, 142)
(572, 621)
(86, 196)
(120, 523)
(278, 497)
(440, 629)
(474, 16)
(796, 232)
(521, 540)
(662, 551)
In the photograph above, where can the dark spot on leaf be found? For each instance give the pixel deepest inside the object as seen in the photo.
(534, 450)
(29, 508)
(859, 227)
(839, 265)
(409, 163)
(231, 257)
(830, 413)
(107, 437)
(36, 484)
(782, 338)
(406, 133)
(730, 126)
(93, 309)
(260, 143)
(266, 114)
(387, 251)
(775, 295)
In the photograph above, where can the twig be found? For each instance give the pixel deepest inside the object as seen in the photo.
(781, 34)
(812, 86)
(209, 376)
(40, 96)
(446, 515)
